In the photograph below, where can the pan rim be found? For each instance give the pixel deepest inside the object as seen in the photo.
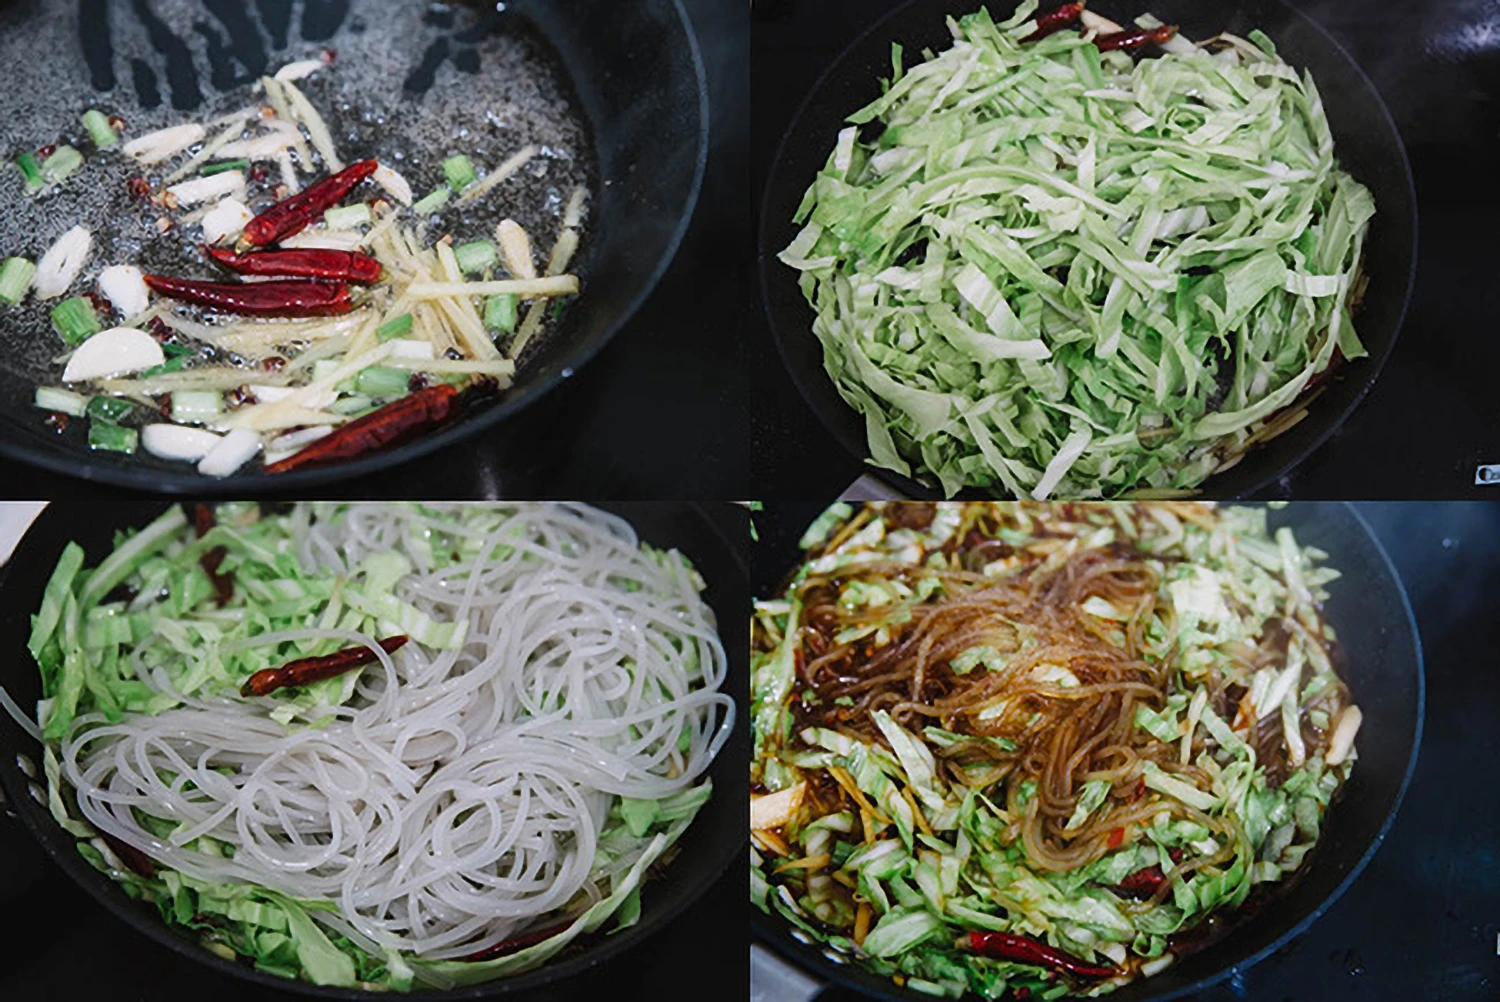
(911, 488)
(42, 829)
(771, 932)
(136, 476)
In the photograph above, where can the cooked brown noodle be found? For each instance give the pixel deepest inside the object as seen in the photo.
(1064, 735)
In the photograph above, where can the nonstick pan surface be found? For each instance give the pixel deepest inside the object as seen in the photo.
(716, 839)
(1369, 609)
(1366, 141)
(615, 93)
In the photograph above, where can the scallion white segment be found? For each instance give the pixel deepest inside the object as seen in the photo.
(1042, 269)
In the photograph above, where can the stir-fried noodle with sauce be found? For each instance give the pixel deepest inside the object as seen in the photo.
(1040, 748)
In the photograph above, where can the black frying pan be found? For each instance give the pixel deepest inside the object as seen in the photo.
(712, 536)
(1367, 144)
(630, 78)
(1368, 608)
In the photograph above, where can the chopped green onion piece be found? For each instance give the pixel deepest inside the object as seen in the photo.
(394, 328)
(55, 398)
(61, 164)
(110, 409)
(15, 280)
(432, 202)
(174, 364)
(195, 406)
(110, 437)
(347, 217)
(460, 172)
(500, 312)
(352, 405)
(177, 350)
(75, 320)
(383, 383)
(100, 131)
(477, 257)
(31, 170)
(223, 166)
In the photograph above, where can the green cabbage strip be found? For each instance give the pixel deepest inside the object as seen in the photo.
(1045, 271)
(83, 646)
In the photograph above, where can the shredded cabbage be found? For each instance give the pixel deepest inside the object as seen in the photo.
(935, 854)
(1042, 270)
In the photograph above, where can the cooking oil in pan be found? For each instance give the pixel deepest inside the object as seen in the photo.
(409, 84)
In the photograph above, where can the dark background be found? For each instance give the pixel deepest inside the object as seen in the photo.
(1432, 416)
(660, 412)
(1421, 921)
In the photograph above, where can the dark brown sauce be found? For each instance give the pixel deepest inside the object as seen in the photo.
(1221, 923)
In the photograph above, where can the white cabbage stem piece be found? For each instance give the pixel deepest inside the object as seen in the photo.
(1341, 743)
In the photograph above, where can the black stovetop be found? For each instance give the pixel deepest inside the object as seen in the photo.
(1422, 921)
(1432, 415)
(659, 413)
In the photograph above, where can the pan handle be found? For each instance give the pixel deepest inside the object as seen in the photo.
(774, 980)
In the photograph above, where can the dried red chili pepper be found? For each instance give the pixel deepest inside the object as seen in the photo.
(514, 944)
(130, 855)
(261, 299)
(1132, 39)
(328, 265)
(395, 422)
(1055, 20)
(203, 521)
(305, 671)
(296, 213)
(1145, 881)
(1028, 951)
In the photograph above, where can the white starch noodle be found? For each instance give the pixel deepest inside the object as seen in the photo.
(458, 798)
